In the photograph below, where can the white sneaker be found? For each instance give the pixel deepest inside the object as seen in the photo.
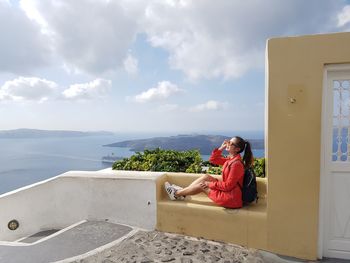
(170, 190)
(177, 188)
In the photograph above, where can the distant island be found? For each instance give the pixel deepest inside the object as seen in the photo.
(34, 133)
(204, 143)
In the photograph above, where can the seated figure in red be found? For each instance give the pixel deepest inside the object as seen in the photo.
(225, 191)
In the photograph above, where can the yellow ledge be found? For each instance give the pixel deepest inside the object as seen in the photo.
(198, 216)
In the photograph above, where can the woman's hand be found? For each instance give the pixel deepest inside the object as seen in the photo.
(223, 145)
(204, 185)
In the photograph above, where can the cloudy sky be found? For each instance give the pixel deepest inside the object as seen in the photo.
(138, 65)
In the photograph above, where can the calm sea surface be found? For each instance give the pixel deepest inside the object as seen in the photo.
(27, 161)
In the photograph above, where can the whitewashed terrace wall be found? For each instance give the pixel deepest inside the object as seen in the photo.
(125, 197)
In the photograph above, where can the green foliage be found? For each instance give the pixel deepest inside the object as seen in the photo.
(159, 160)
(258, 167)
(214, 169)
(162, 160)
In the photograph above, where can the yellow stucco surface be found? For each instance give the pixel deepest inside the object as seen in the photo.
(293, 137)
(199, 216)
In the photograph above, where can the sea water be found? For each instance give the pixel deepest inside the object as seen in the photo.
(27, 161)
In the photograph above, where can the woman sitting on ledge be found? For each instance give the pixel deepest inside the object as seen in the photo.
(225, 192)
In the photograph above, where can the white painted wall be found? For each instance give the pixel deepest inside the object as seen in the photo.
(125, 197)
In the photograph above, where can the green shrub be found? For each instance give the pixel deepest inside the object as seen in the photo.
(258, 167)
(162, 160)
(159, 160)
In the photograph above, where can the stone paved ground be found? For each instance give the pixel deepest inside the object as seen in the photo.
(157, 246)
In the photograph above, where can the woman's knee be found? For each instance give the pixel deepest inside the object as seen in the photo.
(209, 178)
(205, 177)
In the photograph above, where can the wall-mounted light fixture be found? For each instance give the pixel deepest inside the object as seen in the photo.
(292, 100)
(13, 224)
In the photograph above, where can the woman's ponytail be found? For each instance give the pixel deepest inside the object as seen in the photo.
(248, 155)
(246, 147)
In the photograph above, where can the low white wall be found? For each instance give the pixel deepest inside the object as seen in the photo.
(120, 196)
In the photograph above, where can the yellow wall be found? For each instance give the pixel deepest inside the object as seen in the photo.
(295, 69)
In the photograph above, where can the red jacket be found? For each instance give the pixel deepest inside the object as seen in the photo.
(227, 193)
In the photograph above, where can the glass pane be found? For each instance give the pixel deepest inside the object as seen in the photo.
(341, 121)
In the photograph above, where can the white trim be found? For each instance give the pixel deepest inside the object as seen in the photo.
(100, 249)
(338, 167)
(325, 167)
(336, 253)
(58, 232)
(20, 243)
(322, 169)
(37, 184)
(336, 67)
(266, 98)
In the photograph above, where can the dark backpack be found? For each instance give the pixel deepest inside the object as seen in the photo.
(249, 188)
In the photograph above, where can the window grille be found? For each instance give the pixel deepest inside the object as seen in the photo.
(341, 121)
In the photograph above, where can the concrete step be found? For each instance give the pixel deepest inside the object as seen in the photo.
(67, 243)
(38, 236)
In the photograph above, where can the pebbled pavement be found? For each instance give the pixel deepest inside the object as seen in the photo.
(155, 246)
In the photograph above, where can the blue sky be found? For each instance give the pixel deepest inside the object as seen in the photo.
(146, 66)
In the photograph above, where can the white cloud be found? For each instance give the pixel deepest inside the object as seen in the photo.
(168, 107)
(344, 16)
(7, 2)
(226, 38)
(163, 90)
(204, 40)
(93, 36)
(30, 9)
(210, 105)
(40, 90)
(71, 70)
(85, 91)
(131, 65)
(28, 89)
(22, 47)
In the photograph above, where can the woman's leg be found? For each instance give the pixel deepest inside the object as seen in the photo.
(203, 178)
(195, 187)
(192, 189)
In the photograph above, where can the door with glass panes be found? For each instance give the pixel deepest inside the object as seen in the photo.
(335, 165)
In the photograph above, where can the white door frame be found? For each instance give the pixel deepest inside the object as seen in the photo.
(324, 169)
